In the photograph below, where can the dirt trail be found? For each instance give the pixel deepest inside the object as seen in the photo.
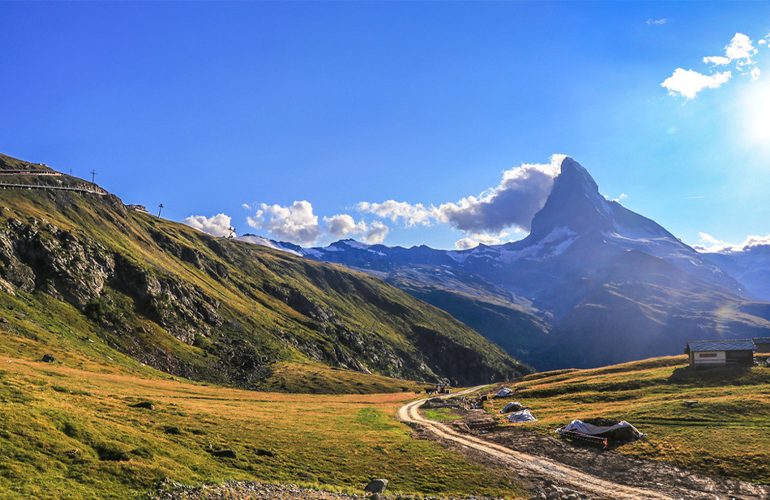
(539, 467)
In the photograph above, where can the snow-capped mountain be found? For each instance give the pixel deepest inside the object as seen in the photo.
(586, 262)
(577, 231)
(749, 264)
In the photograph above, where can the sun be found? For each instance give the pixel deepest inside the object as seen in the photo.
(756, 110)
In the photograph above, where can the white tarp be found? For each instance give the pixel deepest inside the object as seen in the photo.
(504, 392)
(512, 406)
(521, 416)
(594, 430)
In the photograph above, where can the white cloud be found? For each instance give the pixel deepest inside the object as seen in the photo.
(713, 245)
(296, 224)
(218, 225)
(299, 225)
(688, 82)
(477, 239)
(622, 196)
(395, 210)
(513, 203)
(740, 48)
(340, 226)
(376, 233)
(343, 226)
(658, 21)
(756, 241)
(717, 60)
(762, 42)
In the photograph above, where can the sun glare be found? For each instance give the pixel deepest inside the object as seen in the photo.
(756, 107)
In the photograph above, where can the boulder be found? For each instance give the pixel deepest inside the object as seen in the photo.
(48, 358)
(376, 486)
(224, 453)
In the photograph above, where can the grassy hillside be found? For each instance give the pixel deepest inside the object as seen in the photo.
(83, 268)
(726, 433)
(78, 430)
(493, 315)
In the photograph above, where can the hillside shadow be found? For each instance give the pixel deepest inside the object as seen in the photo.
(722, 375)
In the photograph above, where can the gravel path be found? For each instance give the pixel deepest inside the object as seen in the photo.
(543, 467)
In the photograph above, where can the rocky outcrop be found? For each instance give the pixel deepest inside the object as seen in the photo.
(39, 256)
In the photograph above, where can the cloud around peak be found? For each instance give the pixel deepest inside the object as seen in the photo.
(487, 218)
(522, 192)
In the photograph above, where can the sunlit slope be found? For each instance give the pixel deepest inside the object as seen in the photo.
(642, 306)
(725, 433)
(74, 431)
(215, 309)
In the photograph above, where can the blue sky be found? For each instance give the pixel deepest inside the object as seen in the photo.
(304, 119)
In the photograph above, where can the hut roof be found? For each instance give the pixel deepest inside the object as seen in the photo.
(721, 345)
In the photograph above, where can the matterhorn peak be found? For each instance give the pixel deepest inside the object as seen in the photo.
(574, 203)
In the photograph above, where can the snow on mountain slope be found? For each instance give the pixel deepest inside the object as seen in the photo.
(286, 247)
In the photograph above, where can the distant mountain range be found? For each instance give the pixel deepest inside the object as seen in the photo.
(592, 284)
(750, 265)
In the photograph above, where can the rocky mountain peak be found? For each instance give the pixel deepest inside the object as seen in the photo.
(574, 203)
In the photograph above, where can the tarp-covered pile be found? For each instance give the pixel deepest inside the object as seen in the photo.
(521, 416)
(513, 406)
(504, 393)
(620, 431)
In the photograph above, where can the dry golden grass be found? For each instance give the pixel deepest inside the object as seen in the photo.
(67, 432)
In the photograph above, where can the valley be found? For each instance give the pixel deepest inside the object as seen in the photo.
(140, 356)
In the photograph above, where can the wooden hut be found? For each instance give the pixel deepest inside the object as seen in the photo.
(707, 353)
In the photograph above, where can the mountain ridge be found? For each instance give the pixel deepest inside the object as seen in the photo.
(213, 309)
(579, 244)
